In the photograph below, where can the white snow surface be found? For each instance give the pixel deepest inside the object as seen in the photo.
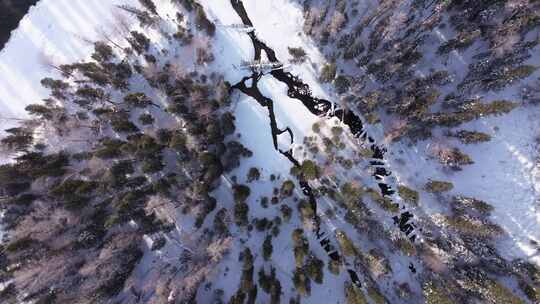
(505, 173)
(54, 31)
(279, 24)
(59, 31)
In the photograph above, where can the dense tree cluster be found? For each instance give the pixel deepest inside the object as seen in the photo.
(80, 208)
(387, 45)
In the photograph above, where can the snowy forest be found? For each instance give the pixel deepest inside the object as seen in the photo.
(279, 151)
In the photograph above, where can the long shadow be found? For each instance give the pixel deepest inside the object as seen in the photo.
(11, 12)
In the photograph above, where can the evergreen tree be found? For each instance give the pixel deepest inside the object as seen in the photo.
(138, 100)
(267, 248)
(149, 5)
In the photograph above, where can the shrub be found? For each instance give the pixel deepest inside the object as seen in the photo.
(262, 224)
(265, 281)
(204, 56)
(342, 84)
(19, 139)
(219, 222)
(203, 22)
(120, 123)
(476, 204)
(306, 210)
(241, 210)
(152, 164)
(453, 158)
(470, 112)
(376, 295)
(235, 150)
(253, 175)
(378, 264)
(241, 193)
(405, 246)
(499, 294)
(238, 298)
(435, 295)
(351, 194)
(532, 292)
(328, 72)
(471, 137)
(473, 227)
(462, 41)
(162, 186)
(434, 186)
(316, 127)
(163, 136)
(149, 5)
(337, 131)
(178, 142)
(314, 269)
(118, 172)
(298, 54)
(353, 51)
(354, 295)
(532, 271)
(286, 211)
(346, 244)
(137, 100)
(267, 248)
(23, 199)
(227, 123)
(301, 247)
(301, 282)
(287, 188)
(20, 244)
(383, 202)
(334, 267)
(408, 195)
(264, 202)
(146, 119)
(308, 170)
(275, 291)
(246, 281)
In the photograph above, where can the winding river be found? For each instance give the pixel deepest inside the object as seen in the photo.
(297, 89)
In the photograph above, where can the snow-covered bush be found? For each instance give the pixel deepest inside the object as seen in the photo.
(434, 186)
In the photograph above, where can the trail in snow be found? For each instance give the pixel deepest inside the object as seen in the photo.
(53, 32)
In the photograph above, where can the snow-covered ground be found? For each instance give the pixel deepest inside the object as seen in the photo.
(505, 173)
(53, 32)
(280, 29)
